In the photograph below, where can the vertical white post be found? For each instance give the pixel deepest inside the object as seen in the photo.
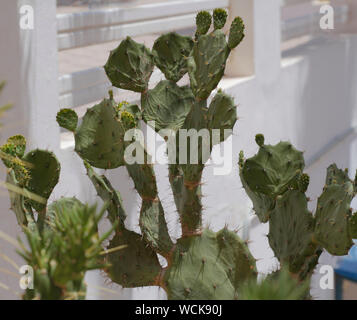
(39, 72)
(241, 61)
(259, 53)
(13, 122)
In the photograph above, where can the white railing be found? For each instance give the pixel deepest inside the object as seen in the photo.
(99, 26)
(302, 17)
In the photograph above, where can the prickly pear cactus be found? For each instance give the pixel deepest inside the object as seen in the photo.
(275, 182)
(201, 264)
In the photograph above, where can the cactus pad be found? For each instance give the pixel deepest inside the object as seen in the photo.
(274, 169)
(153, 226)
(236, 34)
(168, 105)
(222, 114)
(130, 66)
(109, 195)
(219, 18)
(203, 22)
(14, 147)
(100, 138)
(136, 265)
(290, 228)
(44, 174)
(207, 63)
(208, 266)
(171, 52)
(333, 213)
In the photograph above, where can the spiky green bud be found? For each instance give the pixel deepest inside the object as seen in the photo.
(219, 18)
(259, 139)
(203, 22)
(303, 182)
(128, 120)
(67, 119)
(236, 33)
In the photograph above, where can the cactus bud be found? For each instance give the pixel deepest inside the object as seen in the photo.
(304, 181)
(219, 18)
(259, 139)
(203, 22)
(68, 119)
(236, 33)
(127, 119)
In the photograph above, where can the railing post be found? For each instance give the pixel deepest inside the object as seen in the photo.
(241, 61)
(259, 53)
(39, 73)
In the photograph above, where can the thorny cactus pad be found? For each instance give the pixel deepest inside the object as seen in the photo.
(275, 182)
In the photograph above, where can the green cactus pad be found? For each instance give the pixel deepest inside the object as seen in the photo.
(203, 22)
(236, 34)
(336, 176)
(153, 226)
(67, 119)
(100, 138)
(274, 169)
(19, 142)
(137, 265)
(353, 226)
(14, 147)
(291, 228)
(171, 52)
(307, 263)
(262, 204)
(168, 105)
(208, 266)
(222, 114)
(207, 63)
(130, 66)
(59, 206)
(219, 18)
(333, 213)
(143, 176)
(109, 196)
(44, 174)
